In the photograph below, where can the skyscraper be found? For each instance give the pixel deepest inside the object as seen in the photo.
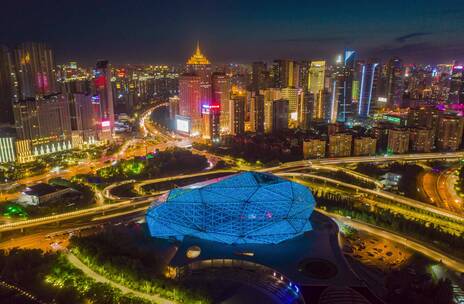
(200, 65)
(394, 83)
(279, 115)
(35, 70)
(259, 76)
(257, 113)
(221, 97)
(285, 73)
(367, 88)
(43, 125)
(316, 86)
(456, 93)
(237, 114)
(344, 77)
(189, 103)
(7, 81)
(103, 99)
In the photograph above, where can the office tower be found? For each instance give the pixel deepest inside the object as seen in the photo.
(343, 86)
(189, 103)
(398, 141)
(279, 115)
(449, 132)
(7, 81)
(305, 109)
(84, 119)
(103, 99)
(221, 96)
(173, 107)
(314, 148)
(200, 65)
(340, 145)
(291, 94)
(43, 125)
(35, 70)
(456, 93)
(285, 73)
(259, 76)
(364, 146)
(257, 113)
(369, 76)
(421, 140)
(394, 83)
(270, 95)
(237, 114)
(303, 75)
(316, 86)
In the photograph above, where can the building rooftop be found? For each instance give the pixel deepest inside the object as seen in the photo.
(248, 207)
(42, 189)
(198, 58)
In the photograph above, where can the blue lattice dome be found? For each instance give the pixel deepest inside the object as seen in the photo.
(248, 207)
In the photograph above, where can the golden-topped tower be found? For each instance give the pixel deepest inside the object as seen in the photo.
(198, 58)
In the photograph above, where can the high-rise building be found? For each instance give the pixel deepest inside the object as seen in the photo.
(398, 141)
(456, 93)
(189, 103)
(173, 107)
(344, 78)
(257, 113)
(270, 95)
(394, 83)
(305, 109)
(221, 97)
(449, 132)
(279, 115)
(43, 124)
(7, 81)
(285, 73)
(421, 139)
(369, 76)
(84, 119)
(291, 94)
(200, 65)
(237, 114)
(314, 148)
(103, 99)
(364, 146)
(35, 70)
(340, 145)
(259, 76)
(316, 86)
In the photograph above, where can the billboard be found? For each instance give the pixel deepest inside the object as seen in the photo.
(182, 124)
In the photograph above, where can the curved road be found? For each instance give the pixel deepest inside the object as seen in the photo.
(99, 278)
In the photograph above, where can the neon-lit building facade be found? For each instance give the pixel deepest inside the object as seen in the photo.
(249, 207)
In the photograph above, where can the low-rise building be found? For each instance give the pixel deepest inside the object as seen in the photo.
(42, 193)
(340, 145)
(364, 146)
(421, 139)
(398, 141)
(314, 148)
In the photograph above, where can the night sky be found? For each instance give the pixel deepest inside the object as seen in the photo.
(156, 31)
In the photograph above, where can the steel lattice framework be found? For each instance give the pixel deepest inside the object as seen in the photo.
(248, 207)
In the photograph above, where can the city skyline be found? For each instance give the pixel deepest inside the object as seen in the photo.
(153, 32)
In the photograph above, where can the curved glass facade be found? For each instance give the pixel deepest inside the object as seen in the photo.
(248, 207)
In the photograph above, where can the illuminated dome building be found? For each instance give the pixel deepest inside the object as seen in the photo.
(248, 207)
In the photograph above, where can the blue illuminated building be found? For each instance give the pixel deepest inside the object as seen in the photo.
(248, 207)
(368, 88)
